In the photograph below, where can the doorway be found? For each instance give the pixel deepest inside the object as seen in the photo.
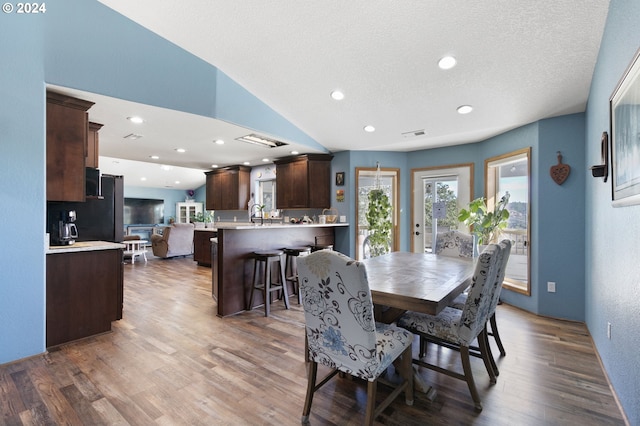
(438, 194)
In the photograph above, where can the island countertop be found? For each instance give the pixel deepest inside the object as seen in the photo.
(267, 225)
(84, 246)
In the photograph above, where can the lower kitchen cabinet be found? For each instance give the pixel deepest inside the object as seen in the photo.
(202, 246)
(84, 294)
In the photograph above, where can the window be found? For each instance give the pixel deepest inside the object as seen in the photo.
(511, 172)
(365, 182)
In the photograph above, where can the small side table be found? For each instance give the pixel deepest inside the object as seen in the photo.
(135, 248)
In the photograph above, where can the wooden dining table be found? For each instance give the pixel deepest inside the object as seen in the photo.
(420, 282)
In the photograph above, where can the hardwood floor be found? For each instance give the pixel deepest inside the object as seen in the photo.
(171, 361)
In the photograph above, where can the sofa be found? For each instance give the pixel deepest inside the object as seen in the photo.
(176, 240)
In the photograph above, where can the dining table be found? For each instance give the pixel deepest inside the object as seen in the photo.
(420, 282)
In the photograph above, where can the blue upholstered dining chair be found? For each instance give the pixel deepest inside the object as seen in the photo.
(461, 300)
(341, 332)
(459, 328)
(454, 243)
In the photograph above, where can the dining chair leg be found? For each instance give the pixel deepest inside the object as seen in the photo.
(496, 335)
(468, 374)
(490, 352)
(423, 347)
(311, 385)
(487, 358)
(371, 402)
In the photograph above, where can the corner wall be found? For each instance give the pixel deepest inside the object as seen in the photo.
(612, 272)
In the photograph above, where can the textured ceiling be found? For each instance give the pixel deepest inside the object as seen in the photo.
(518, 62)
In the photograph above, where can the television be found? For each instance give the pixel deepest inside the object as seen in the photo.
(143, 211)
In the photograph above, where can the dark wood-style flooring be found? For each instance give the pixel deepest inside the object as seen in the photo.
(171, 361)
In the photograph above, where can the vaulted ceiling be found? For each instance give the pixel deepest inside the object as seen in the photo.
(518, 61)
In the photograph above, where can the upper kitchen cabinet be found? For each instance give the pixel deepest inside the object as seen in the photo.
(303, 181)
(67, 133)
(228, 188)
(93, 145)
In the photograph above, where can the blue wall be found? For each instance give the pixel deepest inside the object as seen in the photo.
(612, 251)
(22, 187)
(170, 197)
(556, 223)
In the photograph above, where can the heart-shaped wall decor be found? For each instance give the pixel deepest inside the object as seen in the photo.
(560, 172)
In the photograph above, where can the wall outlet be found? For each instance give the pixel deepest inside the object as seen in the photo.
(551, 287)
(609, 330)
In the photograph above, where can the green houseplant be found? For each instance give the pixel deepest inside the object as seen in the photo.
(485, 224)
(379, 220)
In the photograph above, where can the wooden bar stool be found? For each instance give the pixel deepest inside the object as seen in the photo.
(291, 267)
(265, 259)
(321, 243)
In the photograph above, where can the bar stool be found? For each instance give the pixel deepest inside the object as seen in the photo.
(319, 245)
(266, 259)
(291, 267)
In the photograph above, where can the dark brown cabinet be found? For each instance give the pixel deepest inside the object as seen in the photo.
(93, 145)
(228, 188)
(303, 181)
(84, 294)
(67, 133)
(202, 246)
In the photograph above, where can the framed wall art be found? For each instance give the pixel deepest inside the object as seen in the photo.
(340, 179)
(624, 109)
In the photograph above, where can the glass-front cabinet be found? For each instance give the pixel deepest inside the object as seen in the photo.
(184, 211)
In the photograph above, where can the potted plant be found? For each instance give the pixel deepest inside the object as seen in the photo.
(198, 220)
(379, 220)
(485, 224)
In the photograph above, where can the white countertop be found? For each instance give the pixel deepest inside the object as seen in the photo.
(245, 225)
(85, 246)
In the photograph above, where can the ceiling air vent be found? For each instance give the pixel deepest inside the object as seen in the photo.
(132, 136)
(261, 140)
(414, 134)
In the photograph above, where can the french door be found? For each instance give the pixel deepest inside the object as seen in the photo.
(438, 194)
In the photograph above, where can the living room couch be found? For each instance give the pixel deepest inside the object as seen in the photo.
(176, 240)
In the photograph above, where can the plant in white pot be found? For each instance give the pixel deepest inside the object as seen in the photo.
(379, 220)
(485, 225)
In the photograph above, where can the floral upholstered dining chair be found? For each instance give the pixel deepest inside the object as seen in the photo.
(455, 328)
(454, 243)
(341, 332)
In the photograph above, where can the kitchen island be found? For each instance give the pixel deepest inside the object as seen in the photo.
(84, 289)
(233, 266)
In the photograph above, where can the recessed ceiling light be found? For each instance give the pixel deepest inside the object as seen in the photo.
(215, 166)
(246, 163)
(219, 142)
(266, 160)
(337, 95)
(294, 152)
(143, 178)
(166, 168)
(154, 157)
(181, 150)
(464, 109)
(369, 128)
(136, 119)
(447, 62)
(177, 182)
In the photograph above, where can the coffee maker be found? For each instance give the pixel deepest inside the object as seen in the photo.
(65, 231)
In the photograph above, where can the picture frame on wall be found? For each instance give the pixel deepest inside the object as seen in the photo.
(624, 110)
(340, 179)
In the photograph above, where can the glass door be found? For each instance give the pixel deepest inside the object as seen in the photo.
(365, 183)
(438, 194)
